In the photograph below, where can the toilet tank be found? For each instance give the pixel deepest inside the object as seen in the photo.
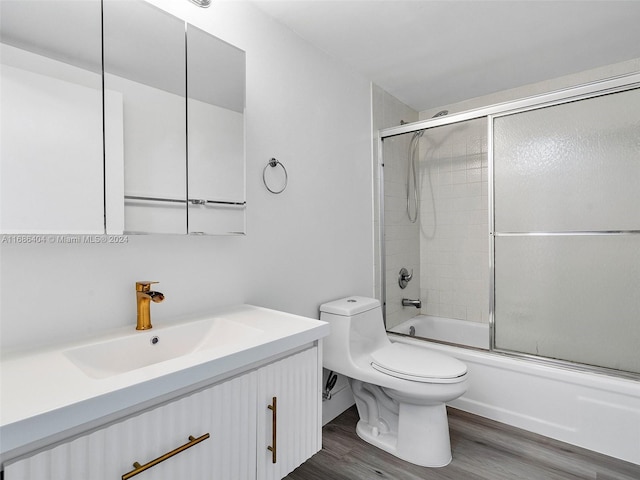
(357, 329)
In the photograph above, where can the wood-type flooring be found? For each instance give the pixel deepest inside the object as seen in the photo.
(482, 450)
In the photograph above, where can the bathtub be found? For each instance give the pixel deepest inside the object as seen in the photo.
(591, 410)
(447, 330)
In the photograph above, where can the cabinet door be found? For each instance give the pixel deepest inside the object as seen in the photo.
(145, 76)
(225, 411)
(215, 134)
(51, 173)
(292, 429)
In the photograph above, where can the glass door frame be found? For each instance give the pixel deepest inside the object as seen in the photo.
(581, 92)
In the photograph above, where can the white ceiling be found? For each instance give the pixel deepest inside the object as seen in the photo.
(430, 53)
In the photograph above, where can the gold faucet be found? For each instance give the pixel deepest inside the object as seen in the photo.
(144, 296)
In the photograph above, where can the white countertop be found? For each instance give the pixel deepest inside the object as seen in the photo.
(44, 393)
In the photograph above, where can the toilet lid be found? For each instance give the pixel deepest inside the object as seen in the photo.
(417, 364)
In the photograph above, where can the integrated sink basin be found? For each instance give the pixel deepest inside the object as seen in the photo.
(52, 393)
(143, 348)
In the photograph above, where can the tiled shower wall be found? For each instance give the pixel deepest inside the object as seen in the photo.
(401, 236)
(448, 248)
(454, 235)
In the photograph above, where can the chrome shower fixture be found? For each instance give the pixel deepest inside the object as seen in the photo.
(404, 277)
(202, 3)
(408, 302)
(412, 174)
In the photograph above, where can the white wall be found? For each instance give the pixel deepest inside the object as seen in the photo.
(312, 243)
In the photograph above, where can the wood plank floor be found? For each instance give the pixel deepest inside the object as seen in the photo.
(482, 450)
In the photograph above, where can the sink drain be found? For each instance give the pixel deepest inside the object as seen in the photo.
(154, 340)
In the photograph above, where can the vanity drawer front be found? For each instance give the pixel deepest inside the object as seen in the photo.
(226, 411)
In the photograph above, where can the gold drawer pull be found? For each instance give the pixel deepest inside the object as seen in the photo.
(274, 416)
(141, 468)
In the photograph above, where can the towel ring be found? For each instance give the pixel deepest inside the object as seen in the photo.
(273, 163)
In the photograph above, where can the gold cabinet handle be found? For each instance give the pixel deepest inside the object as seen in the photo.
(274, 417)
(141, 468)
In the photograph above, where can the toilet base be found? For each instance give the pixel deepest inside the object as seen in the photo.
(422, 437)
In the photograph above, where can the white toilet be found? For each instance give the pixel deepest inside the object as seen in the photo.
(400, 390)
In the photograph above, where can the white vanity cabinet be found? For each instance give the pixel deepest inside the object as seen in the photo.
(226, 412)
(232, 413)
(294, 383)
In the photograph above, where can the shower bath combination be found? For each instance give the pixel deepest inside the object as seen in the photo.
(500, 175)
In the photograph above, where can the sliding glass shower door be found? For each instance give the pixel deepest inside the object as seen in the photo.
(566, 193)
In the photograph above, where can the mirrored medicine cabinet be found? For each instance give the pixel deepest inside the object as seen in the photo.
(118, 118)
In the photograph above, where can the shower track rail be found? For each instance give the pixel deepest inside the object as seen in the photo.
(587, 90)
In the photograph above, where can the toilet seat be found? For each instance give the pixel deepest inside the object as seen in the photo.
(417, 364)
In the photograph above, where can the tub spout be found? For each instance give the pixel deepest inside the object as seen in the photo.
(407, 302)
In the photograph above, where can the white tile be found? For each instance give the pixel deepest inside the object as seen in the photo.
(474, 161)
(431, 309)
(444, 178)
(445, 310)
(458, 176)
(474, 175)
(459, 148)
(473, 189)
(446, 297)
(459, 312)
(474, 314)
(432, 296)
(444, 151)
(474, 146)
(445, 191)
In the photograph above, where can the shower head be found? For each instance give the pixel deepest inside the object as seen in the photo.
(202, 3)
(441, 113)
